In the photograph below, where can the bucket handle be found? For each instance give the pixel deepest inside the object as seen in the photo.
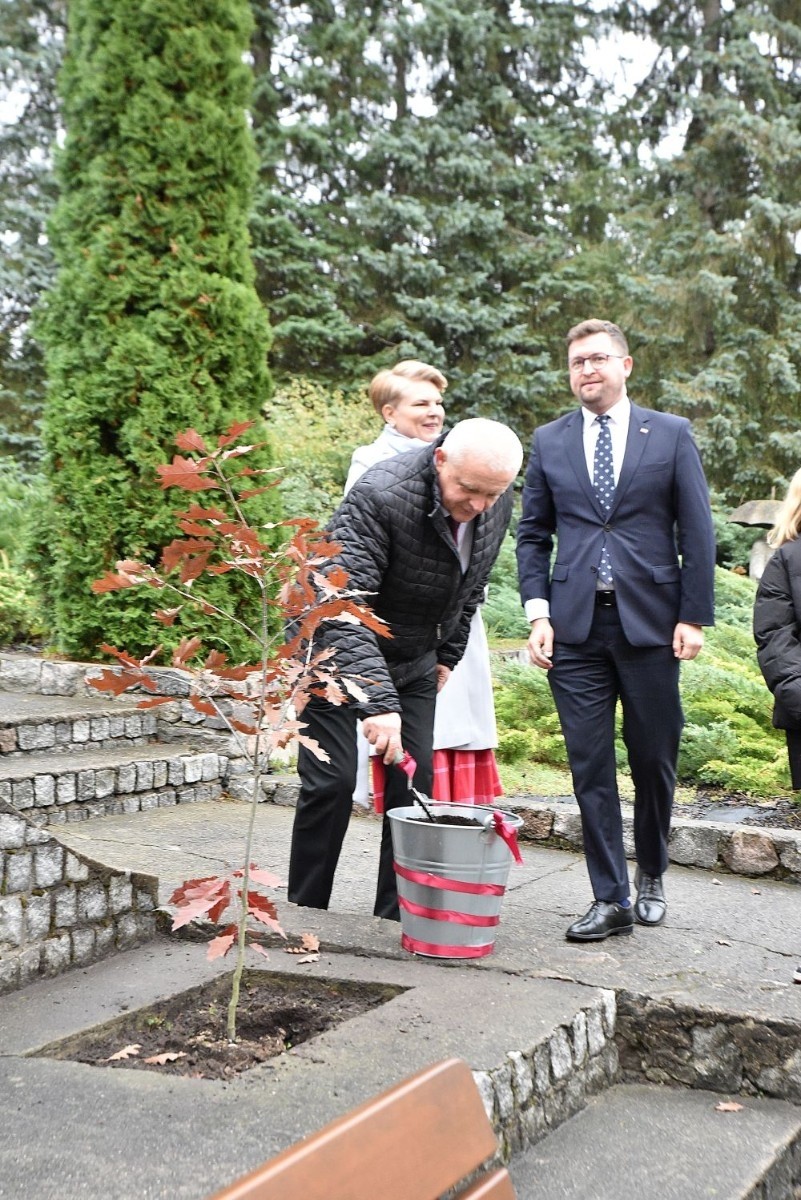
(496, 823)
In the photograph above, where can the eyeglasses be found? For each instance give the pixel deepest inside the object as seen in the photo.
(596, 361)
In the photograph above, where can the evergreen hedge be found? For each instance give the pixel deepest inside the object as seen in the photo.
(153, 325)
(728, 742)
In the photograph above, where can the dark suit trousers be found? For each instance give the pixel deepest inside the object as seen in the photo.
(326, 794)
(587, 680)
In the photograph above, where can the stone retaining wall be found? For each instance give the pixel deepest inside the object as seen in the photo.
(661, 1041)
(707, 845)
(59, 910)
(537, 1089)
(79, 734)
(52, 677)
(629, 1038)
(176, 721)
(71, 791)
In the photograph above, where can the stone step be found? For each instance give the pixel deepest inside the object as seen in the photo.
(636, 1140)
(69, 724)
(53, 788)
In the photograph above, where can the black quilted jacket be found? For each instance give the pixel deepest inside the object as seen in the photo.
(397, 547)
(777, 629)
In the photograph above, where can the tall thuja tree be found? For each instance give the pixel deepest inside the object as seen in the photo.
(153, 325)
(713, 244)
(31, 49)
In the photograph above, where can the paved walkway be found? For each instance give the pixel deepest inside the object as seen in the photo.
(79, 1133)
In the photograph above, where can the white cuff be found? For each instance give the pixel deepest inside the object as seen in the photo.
(535, 609)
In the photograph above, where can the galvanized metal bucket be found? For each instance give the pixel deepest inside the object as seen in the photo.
(451, 878)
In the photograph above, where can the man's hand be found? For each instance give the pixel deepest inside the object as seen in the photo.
(687, 640)
(383, 732)
(540, 643)
(443, 675)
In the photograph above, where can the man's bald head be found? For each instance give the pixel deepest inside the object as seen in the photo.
(476, 463)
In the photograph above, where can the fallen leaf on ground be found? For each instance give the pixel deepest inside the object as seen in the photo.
(126, 1052)
(307, 958)
(309, 943)
(728, 1106)
(168, 1056)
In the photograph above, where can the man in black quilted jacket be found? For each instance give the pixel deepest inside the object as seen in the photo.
(419, 533)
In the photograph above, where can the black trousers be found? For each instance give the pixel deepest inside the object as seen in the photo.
(793, 737)
(326, 794)
(587, 680)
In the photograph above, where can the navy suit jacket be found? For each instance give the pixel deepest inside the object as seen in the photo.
(659, 530)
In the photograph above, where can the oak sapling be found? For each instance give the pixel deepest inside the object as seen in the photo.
(296, 587)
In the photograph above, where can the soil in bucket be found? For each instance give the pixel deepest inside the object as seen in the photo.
(448, 819)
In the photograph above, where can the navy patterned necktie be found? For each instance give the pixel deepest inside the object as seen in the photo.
(603, 481)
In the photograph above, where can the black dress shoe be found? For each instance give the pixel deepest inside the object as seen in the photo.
(601, 920)
(650, 906)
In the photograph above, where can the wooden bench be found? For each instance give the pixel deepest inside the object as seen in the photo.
(413, 1142)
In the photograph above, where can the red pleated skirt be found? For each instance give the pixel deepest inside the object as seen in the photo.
(460, 777)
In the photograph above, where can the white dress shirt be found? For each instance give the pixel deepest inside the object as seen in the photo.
(619, 416)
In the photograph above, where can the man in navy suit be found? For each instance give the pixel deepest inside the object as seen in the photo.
(619, 609)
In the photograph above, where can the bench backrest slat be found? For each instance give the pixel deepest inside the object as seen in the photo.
(413, 1142)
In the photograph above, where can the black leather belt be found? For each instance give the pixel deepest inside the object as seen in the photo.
(606, 599)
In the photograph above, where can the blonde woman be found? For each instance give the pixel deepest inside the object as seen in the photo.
(408, 398)
(777, 628)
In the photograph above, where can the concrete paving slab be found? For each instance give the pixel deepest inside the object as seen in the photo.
(727, 938)
(79, 1132)
(636, 1141)
(73, 1131)
(21, 706)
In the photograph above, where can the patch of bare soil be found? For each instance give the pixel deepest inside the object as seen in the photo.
(742, 809)
(187, 1033)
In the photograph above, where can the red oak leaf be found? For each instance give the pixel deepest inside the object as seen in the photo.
(187, 474)
(234, 431)
(219, 946)
(190, 439)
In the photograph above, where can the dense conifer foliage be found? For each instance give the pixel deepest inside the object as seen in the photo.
(153, 323)
(462, 181)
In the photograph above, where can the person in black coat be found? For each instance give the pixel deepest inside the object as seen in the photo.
(418, 536)
(777, 624)
(777, 628)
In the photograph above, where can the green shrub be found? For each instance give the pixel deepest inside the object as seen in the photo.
(503, 613)
(528, 727)
(515, 744)
(20, 620)
(747, 775)
(702, 743)
(315, 429)
(729, 740)
(20, 612)
(734, 601)
(16, 494)
(733, 542)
